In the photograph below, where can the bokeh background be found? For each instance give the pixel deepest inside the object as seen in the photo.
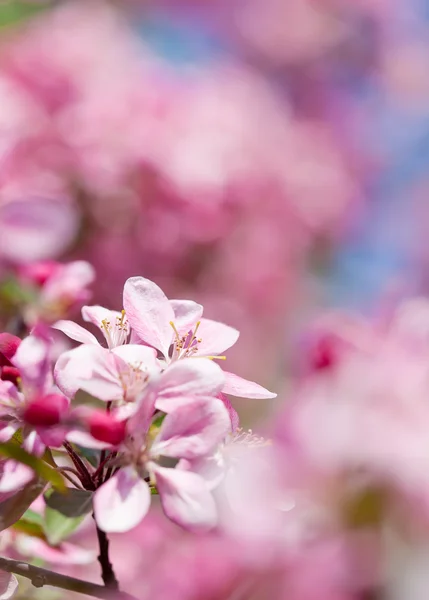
(267, 158)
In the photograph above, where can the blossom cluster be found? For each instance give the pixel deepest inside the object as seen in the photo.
(150, 399)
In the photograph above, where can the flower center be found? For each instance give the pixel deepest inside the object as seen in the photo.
(248, 438)
(186, 345)
(133, 381)
(116, 333)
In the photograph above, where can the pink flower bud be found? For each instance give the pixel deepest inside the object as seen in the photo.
(105, 428)
(8, 346)
(38, 273)
(324, 354)
(45, 411)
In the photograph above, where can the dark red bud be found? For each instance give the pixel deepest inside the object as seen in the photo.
(38, 273)
(8, 346)
(9, 374)
(105, 428)
(324, 354)
(45, 411)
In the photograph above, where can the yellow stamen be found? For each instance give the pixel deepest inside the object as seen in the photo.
(122, 317)
(176, 333)
(215, 357)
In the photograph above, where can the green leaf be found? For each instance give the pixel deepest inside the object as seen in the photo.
(156, 426)
(31, 516)
(12, 450)
(74, 503)
(58, 527)
(13, 12)
(82, 398)
(30, 527)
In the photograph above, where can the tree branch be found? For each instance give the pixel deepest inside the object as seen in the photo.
(107, 572)
(40, 577)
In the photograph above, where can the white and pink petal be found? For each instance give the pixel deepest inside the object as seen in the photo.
(185, 498)
(8, 585)
(122, 502)
(14, 475)
(215, 337)
(186, 315)
(244, 388)
(187, 378)
(149, 313)
(75, 332)
(193, 430)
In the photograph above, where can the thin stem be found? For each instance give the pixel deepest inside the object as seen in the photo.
(110, 469)
(107, 572)
(40, 577)
(84, 474)
(99, 472)
(76, 484)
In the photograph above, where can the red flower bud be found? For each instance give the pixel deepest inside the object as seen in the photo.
(9, 374)
(103, 427)
(45, 411)
(8, 346)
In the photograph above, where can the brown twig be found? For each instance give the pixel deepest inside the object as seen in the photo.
(40, 577)
(107, 572)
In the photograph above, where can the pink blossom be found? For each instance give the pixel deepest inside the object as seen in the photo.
(177, 330)
(118, 375)
(58, 289)
(190, 430)
(112, 324)
(33, 408)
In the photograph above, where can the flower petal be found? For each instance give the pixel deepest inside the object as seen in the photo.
(7, 430)
(8, 585)
(75, 332)
(64, 553)
(14, 476)
(215, 337)
(32, 360)
(68, 364)
(185, 498)
(193, 430)
(233, 414)
(149, 312)
(211, 468)
(188, 377)
(84, 439)
(90, 368)
(96, 314)
(237, 386)
(122, 502)
(186, 314)
(70, 281)
(143, 356)
(36, 228)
